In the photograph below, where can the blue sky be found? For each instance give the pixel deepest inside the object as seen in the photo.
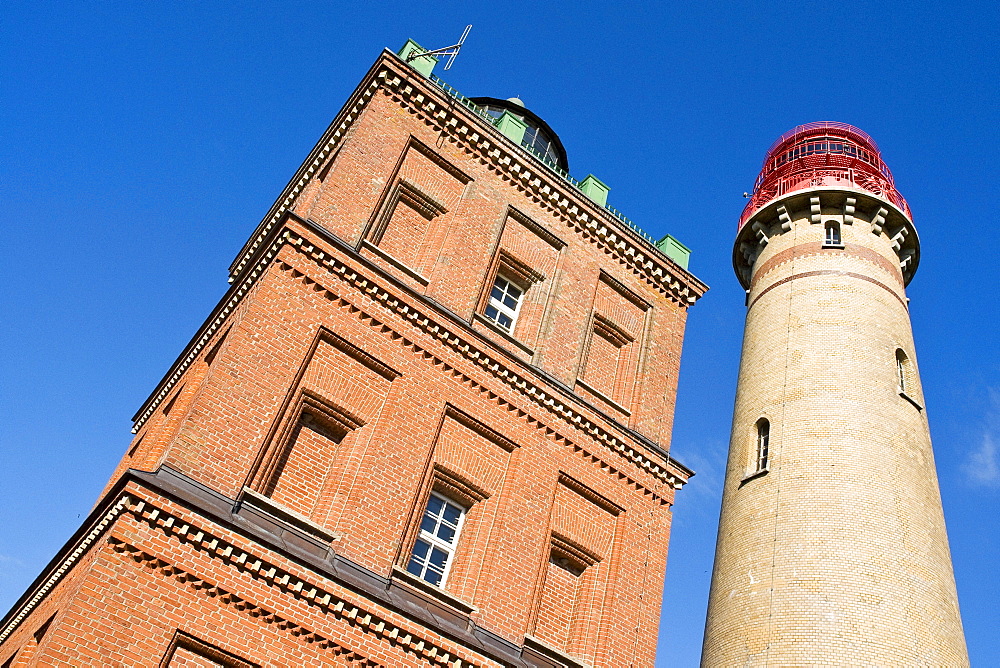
(144, 141)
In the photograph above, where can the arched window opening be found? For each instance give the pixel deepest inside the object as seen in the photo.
(832, 234)
(763, 444)
(906, 376)
(904, 373)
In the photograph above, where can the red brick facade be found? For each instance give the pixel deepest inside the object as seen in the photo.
(269, 506)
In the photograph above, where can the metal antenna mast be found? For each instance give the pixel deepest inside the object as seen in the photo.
(446, 51)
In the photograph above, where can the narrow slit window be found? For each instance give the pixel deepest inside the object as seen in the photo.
(504, 304)
(903, 371)
(763, 444)
(832, 234)
(434, 549)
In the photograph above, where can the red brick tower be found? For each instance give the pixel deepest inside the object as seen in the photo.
(427, 425)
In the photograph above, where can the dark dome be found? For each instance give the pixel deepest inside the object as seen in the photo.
(538, 137)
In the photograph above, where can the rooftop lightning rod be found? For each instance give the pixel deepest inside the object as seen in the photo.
(446, 51)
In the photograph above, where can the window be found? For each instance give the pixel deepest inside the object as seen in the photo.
(900, 371)
(536, 142)
(906, 376)
(535, 138)
(504, 303)
(513, 296)
(832, 234)
(903, 372)
(434, 550)
(763, 443)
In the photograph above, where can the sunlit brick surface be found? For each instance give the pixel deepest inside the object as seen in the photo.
(347, 375)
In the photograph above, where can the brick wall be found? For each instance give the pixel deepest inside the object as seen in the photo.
(354, 369)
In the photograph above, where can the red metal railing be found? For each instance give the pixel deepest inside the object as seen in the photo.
(825, 153)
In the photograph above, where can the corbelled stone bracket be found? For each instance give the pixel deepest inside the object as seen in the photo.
(849, 210)
(879, 220)
(761, 233)
(786, 220)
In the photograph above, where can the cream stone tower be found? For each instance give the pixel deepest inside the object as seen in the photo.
(832, 547)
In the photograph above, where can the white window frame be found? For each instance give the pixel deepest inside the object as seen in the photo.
(832, 234)
(763, 444)
(435, 541)
(502, 308)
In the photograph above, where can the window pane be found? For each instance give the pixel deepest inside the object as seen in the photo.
(503, 302)
(446, 533)
(432, 550)
(438, 560)
(420, 550)
(451, 514)
(433, 577)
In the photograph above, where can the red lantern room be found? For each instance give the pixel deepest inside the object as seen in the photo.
(824, 153)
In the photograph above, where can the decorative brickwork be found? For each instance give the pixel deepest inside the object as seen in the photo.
(353, 463)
